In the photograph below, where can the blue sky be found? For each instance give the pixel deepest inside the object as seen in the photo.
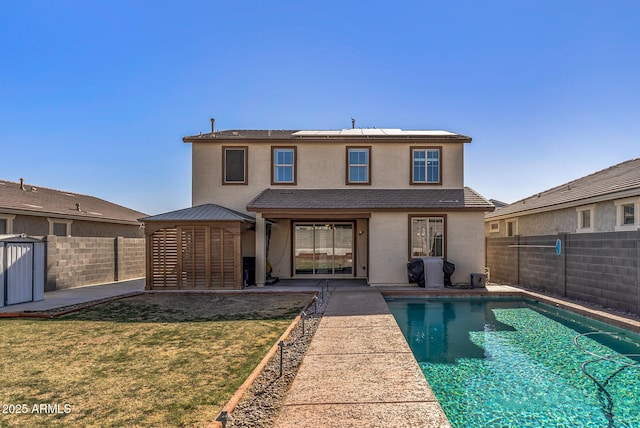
(95, 96)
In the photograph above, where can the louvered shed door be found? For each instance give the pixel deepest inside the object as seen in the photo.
(164, 259)
(194, 257)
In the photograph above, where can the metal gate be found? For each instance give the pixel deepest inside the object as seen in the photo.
(21, 270)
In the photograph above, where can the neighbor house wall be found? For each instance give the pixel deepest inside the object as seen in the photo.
(78, 261)
(600, 268)
(39, 226)
(563, 220)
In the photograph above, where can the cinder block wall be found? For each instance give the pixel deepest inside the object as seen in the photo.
(130, 258)
(603, 268)
(76, 261)
(502, 260)
(600, 268)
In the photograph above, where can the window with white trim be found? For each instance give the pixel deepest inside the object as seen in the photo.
(512, 227)
(425, 165)
(6, 224)
(627, 214)
(284, 165)
(586, 218)
(59, 227)
(358, 165)
(494, 227)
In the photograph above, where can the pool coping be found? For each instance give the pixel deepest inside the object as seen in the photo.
(497, 290)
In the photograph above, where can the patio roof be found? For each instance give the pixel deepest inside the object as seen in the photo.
(206, 212)
(369, 200)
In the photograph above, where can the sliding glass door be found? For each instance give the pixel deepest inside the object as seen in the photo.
(323, 248)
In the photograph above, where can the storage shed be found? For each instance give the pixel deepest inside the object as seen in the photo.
(21, 269)
(196, 248)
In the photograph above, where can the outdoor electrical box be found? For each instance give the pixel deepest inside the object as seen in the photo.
(478, 280)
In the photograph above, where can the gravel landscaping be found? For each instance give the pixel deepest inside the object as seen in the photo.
(261, 403)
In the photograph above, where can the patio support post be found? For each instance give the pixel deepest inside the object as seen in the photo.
(261, 250)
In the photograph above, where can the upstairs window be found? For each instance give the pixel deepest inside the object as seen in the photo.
(425, 165)
(358, 165)
(234, 165)
(283, 170)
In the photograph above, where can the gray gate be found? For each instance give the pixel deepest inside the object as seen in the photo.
(21, 270)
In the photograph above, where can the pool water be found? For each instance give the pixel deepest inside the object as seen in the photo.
(519, 363)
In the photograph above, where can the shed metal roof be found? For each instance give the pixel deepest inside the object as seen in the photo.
(623, 177)
(369, 199)
(206, 212)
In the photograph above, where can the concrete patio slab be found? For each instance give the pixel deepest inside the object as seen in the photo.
(357, 340)
(368, 415)
(78, 295)
(359, 371)
(382, 370)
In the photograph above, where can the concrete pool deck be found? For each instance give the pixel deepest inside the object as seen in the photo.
(359, 371)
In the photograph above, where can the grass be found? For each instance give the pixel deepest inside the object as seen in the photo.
(152, 360)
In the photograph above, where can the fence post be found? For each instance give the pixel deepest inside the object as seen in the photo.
(518, 259)
(116, 257)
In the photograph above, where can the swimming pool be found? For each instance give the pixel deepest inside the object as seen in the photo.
(518, 363)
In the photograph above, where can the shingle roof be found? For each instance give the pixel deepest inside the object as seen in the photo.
(619, 178)
(369, 199)
(358, 133)
(35, 200)
(206, 212)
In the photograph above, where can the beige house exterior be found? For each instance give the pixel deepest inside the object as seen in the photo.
(605, 201)
(355, 203)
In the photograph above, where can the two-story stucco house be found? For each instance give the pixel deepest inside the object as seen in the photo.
(354, 203)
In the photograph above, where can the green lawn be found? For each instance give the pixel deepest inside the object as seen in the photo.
(151, 360)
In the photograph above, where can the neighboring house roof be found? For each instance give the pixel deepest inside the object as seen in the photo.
(206, 212)
(497, 203)
(618, 181)
(27, 199)
(368, 199)
(315, 135)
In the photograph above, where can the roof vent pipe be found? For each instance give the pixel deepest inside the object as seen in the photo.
(213, 121)
(22, 184)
